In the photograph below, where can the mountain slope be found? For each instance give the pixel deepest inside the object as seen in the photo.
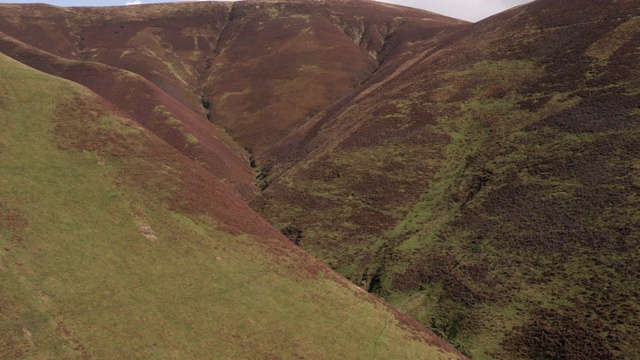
(488, 185)
(481, 177)
(151, 107)
(277, 64)
(166, 44)
(114, 244)
(259, 69)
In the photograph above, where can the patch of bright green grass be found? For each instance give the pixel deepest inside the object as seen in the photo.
(192, 140)
(604, 48)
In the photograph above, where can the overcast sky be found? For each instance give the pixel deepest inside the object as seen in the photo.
(471, 10)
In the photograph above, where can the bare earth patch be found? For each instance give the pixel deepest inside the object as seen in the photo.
(147, 232)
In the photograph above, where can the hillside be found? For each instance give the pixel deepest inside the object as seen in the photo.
(259, 69)
(168, 116)
(115, 244)
(482, 178)
(489, 185)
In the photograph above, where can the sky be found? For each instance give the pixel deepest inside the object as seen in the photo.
(470, 10)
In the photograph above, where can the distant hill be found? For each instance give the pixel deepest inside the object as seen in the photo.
(482, 178)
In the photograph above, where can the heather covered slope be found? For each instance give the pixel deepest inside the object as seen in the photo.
(114, 244)
(164, 43)
(489, 185)
(277, 64)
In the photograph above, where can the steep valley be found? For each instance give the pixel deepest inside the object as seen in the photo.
(482, 178)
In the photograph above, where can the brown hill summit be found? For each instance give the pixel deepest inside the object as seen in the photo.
(262, 69)
(481, 177)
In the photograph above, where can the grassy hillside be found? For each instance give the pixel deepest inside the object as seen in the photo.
(113, 244)
(487, 186)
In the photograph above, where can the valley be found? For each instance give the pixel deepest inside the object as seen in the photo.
(320, 179)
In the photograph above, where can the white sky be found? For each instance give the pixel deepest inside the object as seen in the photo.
(471, 10)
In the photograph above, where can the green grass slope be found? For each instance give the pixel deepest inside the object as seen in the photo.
(489, 186)
(114, 245)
